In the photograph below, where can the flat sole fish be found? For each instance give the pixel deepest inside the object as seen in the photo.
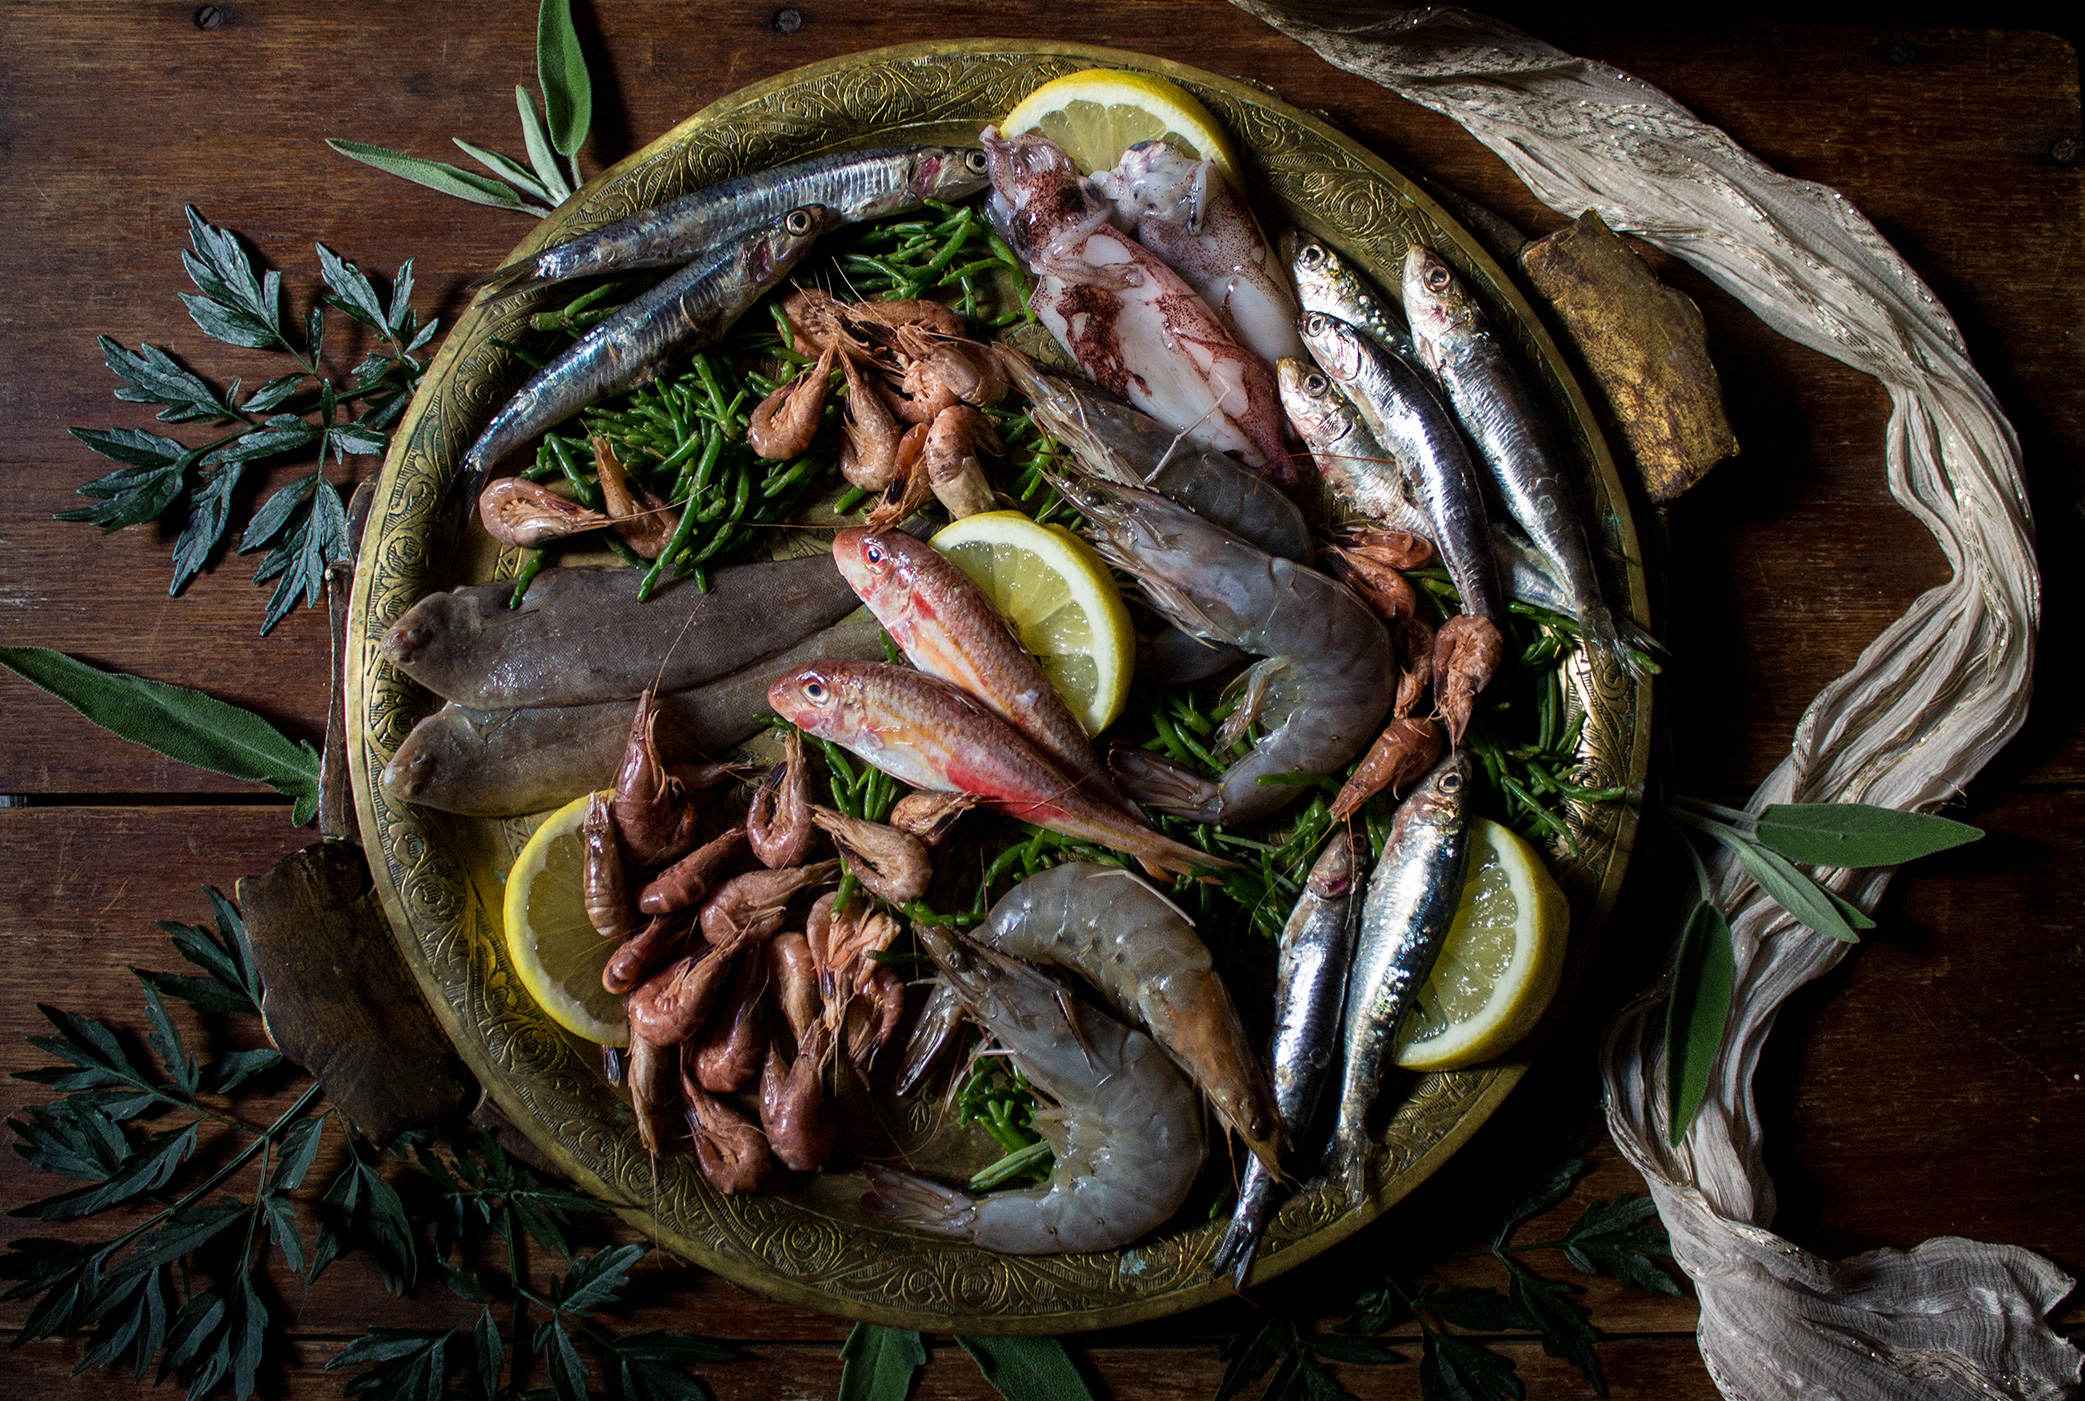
(581, 636)
(504, 763)
(1412, 898)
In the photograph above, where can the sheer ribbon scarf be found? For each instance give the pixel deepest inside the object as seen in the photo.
(1929, 701)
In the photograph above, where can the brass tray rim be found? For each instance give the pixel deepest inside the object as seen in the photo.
(1500, 1077)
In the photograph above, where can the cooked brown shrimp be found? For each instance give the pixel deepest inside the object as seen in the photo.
(653, 817)
(671, 1005)
(887, 862)
(639, 517)
(793, 980)
(1406, 750)
(869, 434)
(778, 821)
(729, 1056)
(729, 1147)
(1466, 655)
(646, 951)
(801, 1127)
(607, 893)
(750, 907)
(517, 511)
(1415, 669)
(687, 881)
(953, 470)
(1378, 585)
(929, 816)
(783, 424)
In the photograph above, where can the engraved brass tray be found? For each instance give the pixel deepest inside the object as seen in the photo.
(439, 876)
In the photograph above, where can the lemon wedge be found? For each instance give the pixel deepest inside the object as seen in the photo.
(1061, 601)
(1500, 963)
(1099, 113)
(555, 951)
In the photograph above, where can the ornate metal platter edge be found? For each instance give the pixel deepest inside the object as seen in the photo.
(438, 877)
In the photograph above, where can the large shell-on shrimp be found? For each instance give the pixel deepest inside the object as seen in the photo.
(1147, 962)
(1327, 675)
(1126, 1126)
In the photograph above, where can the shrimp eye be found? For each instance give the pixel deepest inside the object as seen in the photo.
(816, 693)
(798, 222)
(974, 162)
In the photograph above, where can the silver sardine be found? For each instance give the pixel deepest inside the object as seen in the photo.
(1497, 411)
(855, 185)
(1412, 898)
(1357, 471)
(1310, 983)
(581, 635)
(503, 763)
(1329, 283)
(1401, 411)
(689, 310)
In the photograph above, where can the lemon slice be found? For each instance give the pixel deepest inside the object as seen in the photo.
(555, 950)
(1061, 601)
(1099, 113)
(1500, 963)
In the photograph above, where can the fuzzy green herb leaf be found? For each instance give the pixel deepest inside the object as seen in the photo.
(880, 1363)
(512, 171)
(568, 94)
(1857, 834)
(438, 176)
(542, 154)
(177, 722)
(1695, 1012)
(1793, 891)
(1027, 1369)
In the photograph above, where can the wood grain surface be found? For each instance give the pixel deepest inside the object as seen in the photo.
(1929, 1086)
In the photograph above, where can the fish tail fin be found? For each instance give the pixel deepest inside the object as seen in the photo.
(507, 281)
(1241, 1242)
(1600, 630)
(1162, 857)
(1350, 1159)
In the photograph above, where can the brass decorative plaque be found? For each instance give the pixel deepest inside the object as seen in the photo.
(440, 876)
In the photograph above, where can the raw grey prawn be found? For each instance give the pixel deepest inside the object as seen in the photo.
(1145, 959)
(1326, 678)
(1126, 1125)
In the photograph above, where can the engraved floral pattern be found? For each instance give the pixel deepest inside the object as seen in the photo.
(439, 876)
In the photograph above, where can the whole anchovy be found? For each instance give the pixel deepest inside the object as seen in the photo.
(689, 310)
(1329, 283)
(1359, 471)
(503, 763)
(1116, 442)
(855, 185)
(929, 734)
(1310, 983)
(1405, 417)
(581, 635)
(1496, 409)
(1412, 898)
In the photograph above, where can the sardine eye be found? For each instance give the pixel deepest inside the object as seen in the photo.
(974, 162)
(1451, 783)
(1311, 255)
(798, 222)
(1314, 324)
(1437, 279)
(1316, 386)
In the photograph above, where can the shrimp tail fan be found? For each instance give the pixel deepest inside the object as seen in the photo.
(905, 1200)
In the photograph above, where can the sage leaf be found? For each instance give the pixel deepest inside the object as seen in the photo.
(568, 94)
(1857, 834)
(1793, 891)
(1027, 1369)
(180, 723)
(512, 171)
(1695, 1011)
(541, 154)
(434, 175)
(880, 1363)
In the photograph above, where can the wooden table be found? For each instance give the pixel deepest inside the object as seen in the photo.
(1930, 1086)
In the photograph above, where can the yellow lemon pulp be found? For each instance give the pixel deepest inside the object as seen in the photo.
(1500, 963)
(1061, 601)
(554, 948)
(1097, 114)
